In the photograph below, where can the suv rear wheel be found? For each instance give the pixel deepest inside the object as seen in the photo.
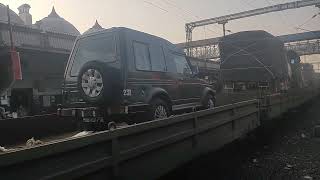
(159, 109)
(91, 83)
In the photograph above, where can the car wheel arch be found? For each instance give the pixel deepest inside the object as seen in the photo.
(207, 91)
(92, 63)
(159, 93)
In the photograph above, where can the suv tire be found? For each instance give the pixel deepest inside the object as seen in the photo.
(159, 109)
(209, 102)
(92, 83)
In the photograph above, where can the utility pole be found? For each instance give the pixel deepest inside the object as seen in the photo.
(223, 27)
(15, 58)
(10, 28)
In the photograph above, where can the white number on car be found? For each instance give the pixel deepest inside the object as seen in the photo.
(127, 92)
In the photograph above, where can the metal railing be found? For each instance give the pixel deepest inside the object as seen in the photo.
(33, 38)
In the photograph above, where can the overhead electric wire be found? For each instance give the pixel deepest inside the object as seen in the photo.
(282, 16)
(307, 21)
(187, 12)
(177, 7)
(307, 30)
(253, 7)
(165, 10)
(154, 5)
(181, 9)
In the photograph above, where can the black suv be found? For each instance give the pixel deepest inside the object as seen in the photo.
(123, 71)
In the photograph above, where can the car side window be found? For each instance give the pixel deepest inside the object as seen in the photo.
(157, 60)
(181, 64)
(142, 56)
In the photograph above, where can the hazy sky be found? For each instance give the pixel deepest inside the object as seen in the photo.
(166, 18)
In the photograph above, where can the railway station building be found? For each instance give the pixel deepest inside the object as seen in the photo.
(44, 48)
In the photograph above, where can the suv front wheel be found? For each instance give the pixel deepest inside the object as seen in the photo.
(159, 109)
(209, 102)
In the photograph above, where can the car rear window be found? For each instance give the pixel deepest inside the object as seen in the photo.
(98, 47)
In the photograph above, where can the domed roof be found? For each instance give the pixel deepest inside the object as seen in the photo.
(14, 18)
(54, 23)
(96, 27)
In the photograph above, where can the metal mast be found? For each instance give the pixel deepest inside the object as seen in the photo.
(10, 28)
(224, 19)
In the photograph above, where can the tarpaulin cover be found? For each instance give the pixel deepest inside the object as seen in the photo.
(253, 56)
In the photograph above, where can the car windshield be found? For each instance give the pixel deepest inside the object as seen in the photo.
(100, 47)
